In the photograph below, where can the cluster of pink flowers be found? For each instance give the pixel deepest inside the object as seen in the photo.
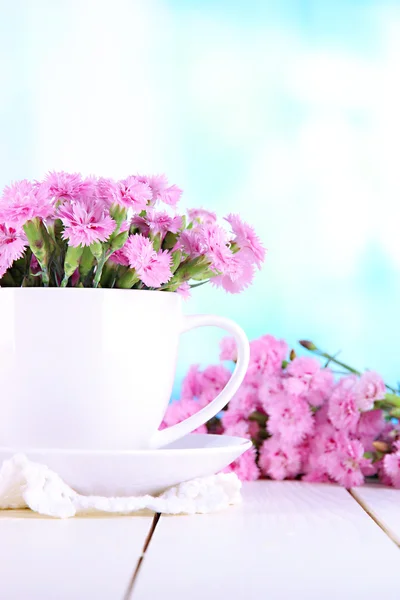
(304, 422)
(97, 232)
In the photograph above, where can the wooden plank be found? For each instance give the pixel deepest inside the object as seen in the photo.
(383, 504)
(287, 540)
(82, 557)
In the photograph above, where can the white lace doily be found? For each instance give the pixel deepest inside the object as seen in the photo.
(26, 484)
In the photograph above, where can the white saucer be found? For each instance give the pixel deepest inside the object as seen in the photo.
(134, 472)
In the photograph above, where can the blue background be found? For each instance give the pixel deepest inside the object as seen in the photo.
(285, 111)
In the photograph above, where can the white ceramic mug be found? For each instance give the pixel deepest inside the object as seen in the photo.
(94, 369)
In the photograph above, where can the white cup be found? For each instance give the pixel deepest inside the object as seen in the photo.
(94, 369)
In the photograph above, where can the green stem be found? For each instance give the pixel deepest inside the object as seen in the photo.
(100, 265)
(339, 363)
(313, 348)
(195, 285)
(45, 276)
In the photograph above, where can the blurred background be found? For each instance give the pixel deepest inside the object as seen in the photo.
(286, 111)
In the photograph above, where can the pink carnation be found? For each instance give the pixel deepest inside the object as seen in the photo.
(70, 186)
(321, 447)
(211, 241)
(370, 387)
(235, 283)
(178, 411)
(325, 441)
(141, 225)
(303, 367)
(321, 416)
(316, 475)
(308, 378)
(134, 194)
(266, 357)
(192, 385)
(391, 467)
(320, 387)
(294, 386)
(245, 401)
(85, 221)
(128, 193)
(245, 466)
(184, 290)
(215, 246)
(161, 222)
(228, 349)
(119, 258)
(345, 464)
(156, 183)
(343, 410)
(171, 195)
(290, 417)
(22, 202)
(247, 239)
(12, 246)
(190, 243)
(279, 460)
(268, 389)
(202, 216)
(160, 190)
(153, 268)
(371, 424)
(214, 379)
(239, 429)
(232, 416)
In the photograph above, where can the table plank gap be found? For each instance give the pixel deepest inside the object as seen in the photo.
(287, 540)
(382, 504)
(131, 584)
(84, 557)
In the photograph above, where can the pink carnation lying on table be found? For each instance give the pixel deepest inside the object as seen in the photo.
(304, 423)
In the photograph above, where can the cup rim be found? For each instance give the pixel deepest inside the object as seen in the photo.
(95, 290)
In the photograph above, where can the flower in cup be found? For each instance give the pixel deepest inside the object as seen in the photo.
(85, 221)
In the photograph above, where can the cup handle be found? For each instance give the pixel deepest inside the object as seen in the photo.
(173, 433)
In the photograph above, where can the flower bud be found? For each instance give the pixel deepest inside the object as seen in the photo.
(176, 260)
(71, 262)
(307, 344)
(128, 279)
(381, 446)
(395, 412)
(86, 263)
(169, 240)
(41, 245)
(119, 241)
(97, 250)
(156, 240)
(118, 213)
(292, 355)
(392, 399)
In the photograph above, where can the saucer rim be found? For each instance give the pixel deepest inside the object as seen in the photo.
(240, 442)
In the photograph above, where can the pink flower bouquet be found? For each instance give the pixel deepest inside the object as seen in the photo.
(306, 420)
(96, 232)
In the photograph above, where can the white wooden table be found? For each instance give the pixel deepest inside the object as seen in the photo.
(288, 540)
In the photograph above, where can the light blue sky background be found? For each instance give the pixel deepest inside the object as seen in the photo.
(285, 111)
